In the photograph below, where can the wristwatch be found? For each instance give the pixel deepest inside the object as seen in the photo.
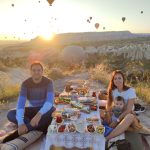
(118, 120)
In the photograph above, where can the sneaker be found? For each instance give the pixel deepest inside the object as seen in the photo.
(138, 108)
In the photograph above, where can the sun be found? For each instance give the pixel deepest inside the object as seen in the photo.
(47, 35)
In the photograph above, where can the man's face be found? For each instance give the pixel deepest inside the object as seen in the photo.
(119, 104)
(36, 72)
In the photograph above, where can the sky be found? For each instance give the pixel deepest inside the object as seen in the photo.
(30, 18)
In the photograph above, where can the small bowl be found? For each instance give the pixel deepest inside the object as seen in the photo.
(71, 127)
(62, 128)
(59, 122)
(90, 128)
(100, 129)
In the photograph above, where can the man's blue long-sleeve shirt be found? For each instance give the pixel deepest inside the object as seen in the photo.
(38, 95)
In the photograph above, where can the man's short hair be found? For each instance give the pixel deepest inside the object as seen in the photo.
(36, 63)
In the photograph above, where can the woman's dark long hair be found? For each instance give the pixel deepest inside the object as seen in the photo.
(112, 86)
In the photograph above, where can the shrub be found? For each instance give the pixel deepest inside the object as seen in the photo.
(54, 73)
(143, 91)
(99, 73)
(8, 93)
(2, 67)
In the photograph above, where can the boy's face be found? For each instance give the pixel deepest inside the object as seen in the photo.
(119, 104)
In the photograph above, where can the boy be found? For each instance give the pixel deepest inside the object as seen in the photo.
(117, 109)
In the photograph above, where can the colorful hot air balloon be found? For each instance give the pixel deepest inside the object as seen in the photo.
(123, 19)
(96, 25)
(50, 2)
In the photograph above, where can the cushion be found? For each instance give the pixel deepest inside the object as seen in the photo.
(22, 141)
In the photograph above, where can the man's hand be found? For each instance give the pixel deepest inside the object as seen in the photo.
(35, 120)
(22, 129)
(113, 124)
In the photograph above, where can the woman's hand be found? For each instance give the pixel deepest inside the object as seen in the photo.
(113, 124)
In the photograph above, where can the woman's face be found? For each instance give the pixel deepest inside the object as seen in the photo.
(118, 80)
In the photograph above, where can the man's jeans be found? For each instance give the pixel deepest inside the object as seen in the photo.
(30, 112)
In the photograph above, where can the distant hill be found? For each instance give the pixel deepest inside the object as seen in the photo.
(85, 37)
(67, 38)
(114, 41)
(7, 43)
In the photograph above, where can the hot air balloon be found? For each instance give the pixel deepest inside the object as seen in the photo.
(123, 19)
(96, 25)
(12, 5)
(90, 18)
(50, 2)
(141, 12)
(39, 1)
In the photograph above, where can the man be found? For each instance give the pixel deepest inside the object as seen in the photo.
(39, 92)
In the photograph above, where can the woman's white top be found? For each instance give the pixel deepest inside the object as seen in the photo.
(127, 95)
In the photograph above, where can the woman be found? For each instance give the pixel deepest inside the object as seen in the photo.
(117, 88)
